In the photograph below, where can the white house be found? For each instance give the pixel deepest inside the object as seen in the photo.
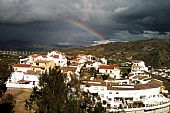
(58, 57)
(69, 71)
(103, 61)
(32, 58)
(21, 67)
(112, 70)
(27, 75)
(138, 67)
(55, 56)
(27, 79)
(43, 65)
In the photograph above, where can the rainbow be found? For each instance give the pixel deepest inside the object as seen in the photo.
(81, 25)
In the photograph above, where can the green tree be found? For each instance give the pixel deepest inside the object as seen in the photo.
(7, 104)
(105, 77)
(54, 92)
(55, 96)
(6, 100)
(5, 72)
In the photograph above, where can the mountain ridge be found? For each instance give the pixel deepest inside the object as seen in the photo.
(154, 52)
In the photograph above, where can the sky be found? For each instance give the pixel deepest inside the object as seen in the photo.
(83, 21)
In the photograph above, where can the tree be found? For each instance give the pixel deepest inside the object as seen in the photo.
(55, 96)
(105, 77)
(5, 72)
(54, 92)
(6, 100)
(7, 104)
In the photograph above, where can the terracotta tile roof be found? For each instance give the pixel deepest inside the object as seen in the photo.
(74, 64)
(88, 62)
(21, 65)
(66, 69)
(71, 57)
(55, 56)
(108, 66)
(42, 61)
(44, 56)
(80, 55)
(38, 67)
(23, 81)
(35, 55)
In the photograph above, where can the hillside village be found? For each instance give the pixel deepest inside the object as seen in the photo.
(154, 52)
(136, 89)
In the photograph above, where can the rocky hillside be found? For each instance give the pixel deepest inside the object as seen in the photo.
(155, 52)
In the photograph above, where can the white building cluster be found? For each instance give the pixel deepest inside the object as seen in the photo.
(139, 92)
(136, 92)
(26, 73)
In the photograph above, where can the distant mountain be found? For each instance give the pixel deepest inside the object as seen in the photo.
(21, 45)
(155, 52)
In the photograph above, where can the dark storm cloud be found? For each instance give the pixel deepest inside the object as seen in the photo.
(46, 20)
(147, 15)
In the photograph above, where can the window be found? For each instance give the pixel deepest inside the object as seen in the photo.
(106, 71)
(95, 88)
(102, 88)
(37, 64)
(43, 68)
(108, 106)
(102, 95)
(10, 81)
(117, 92)
(110, 99)
(110, 92)
(104, 102)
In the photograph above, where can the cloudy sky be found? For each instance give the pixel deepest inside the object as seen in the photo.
(53, 21)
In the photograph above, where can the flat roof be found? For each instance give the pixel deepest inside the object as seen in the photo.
(22, 65)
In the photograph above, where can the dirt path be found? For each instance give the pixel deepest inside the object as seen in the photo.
(20, 97)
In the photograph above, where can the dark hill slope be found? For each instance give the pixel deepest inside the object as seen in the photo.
(20, 45)
(155, 52)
